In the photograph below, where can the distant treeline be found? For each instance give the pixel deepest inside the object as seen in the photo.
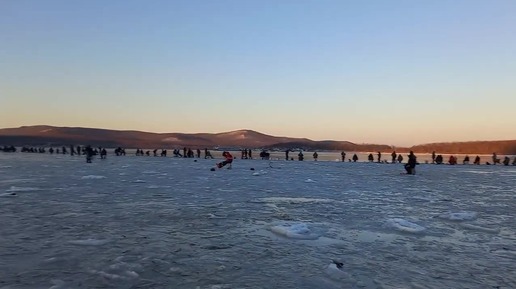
(506, 147)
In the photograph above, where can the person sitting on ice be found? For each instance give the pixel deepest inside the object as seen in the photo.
(300, 156)
(466, 160)
(506, 161)
(452, 160)
(477, 161)
(370, 158)
(228, 160)
(410, 166)
(355, 158)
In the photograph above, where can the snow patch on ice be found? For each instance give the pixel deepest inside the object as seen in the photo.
(92, 177)
(89, 242)
(309, 181)
(22, 189)
(299, 231)
(404, 225)
(336, 273)
(11, 194)
(139, 181)
(157, 187)
(294, 200)
(459, 216)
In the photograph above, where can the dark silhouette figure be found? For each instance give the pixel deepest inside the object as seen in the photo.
(477, 160)
(495, 159)
(164, 153)
(379, 154)
(250, 154)
(433, 157)
(103, 154)
(410, 166)
(315, 155)
(343, 156)
(79, 152)
(400, 158)
(185, 153)
(370, 158)
(89, 153)
(300, 156)
(72, 150)
(286, 154)
(506, 161)
(51, 151)
(264, 155)
(198, 153)
(452, 160)
(394, 155)
(466, 160)
(514, 162)
(355, 158)
(439, 159)
(207, 154)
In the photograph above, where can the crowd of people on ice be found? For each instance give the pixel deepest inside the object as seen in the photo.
(90, 152)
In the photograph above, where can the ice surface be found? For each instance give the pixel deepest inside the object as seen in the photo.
(188, 227)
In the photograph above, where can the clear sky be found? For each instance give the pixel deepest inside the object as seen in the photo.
(392, 72)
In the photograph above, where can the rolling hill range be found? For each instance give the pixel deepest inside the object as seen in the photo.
(42, 135)
(64, 136)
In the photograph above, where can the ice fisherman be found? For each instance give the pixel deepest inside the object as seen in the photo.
(410, 166)
(228, 160)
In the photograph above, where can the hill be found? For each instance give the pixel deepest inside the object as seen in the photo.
(42, 135)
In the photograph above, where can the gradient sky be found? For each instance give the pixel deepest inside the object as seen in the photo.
(393, 72)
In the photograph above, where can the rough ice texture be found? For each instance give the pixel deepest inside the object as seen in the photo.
(404, 225)
(188, 227)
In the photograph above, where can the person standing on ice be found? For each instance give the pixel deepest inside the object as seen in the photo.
(343, 156)
(286, 154)
(228, 160)
(379, 154)
(315, 155)
(410, 166)
(394, 155)
(355, 158)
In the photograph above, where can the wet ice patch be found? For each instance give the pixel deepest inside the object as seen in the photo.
(404, 225)
(92, 177)
(459, 216)
(89, 242)
(22, 189)
(299, 231)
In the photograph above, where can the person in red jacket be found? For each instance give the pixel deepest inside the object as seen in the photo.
(228, 160)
